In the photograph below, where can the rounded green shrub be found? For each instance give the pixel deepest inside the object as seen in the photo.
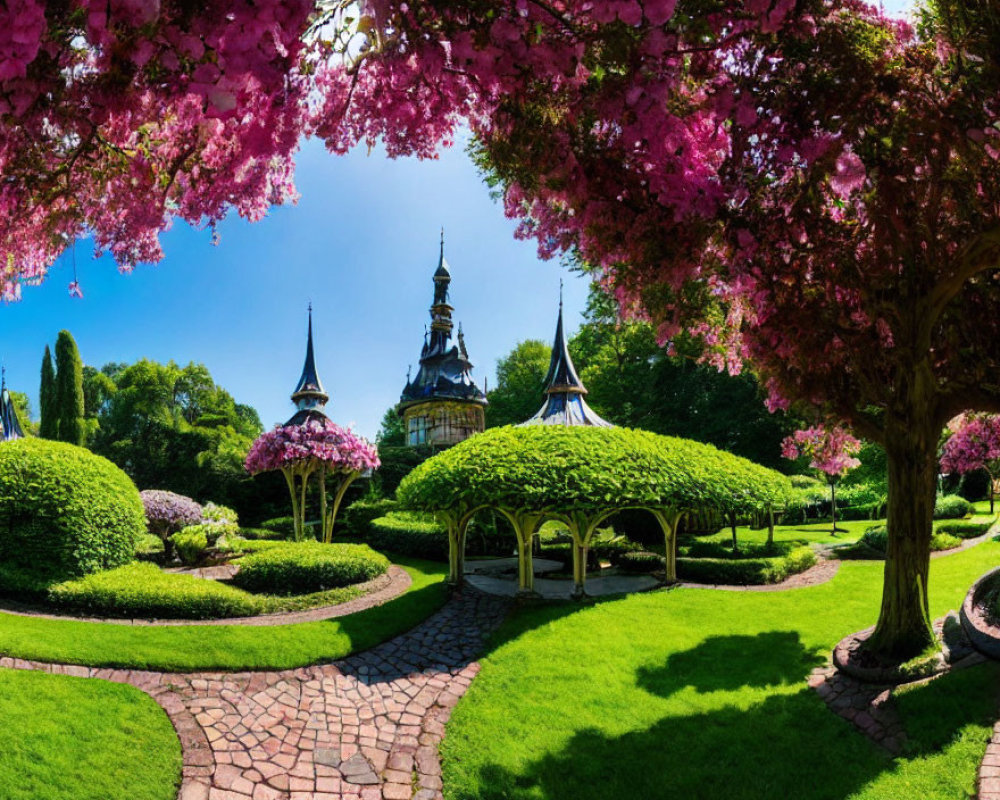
(745, 571)
(65, 511)
(409, 533)
(144, 590)
(943, 541)
(297, 568)
(952, 506)
(875, 537)
(191, 543)
(356, 518)
(964, 529)
(562, 469)
(640, 561)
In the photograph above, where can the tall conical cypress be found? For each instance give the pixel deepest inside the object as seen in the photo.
(48, 427)
(69, 390)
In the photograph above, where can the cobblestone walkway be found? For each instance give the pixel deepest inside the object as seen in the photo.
(364, 728)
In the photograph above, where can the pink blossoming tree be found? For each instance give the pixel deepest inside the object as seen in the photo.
(806, 185)
(315, 449)
(974, 444)
(831, 450)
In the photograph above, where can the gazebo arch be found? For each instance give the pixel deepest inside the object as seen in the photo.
(581, 476)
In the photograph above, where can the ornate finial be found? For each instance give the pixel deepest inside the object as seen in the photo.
(409, 369)
(560, 293)
(3, 377)
(310, 307)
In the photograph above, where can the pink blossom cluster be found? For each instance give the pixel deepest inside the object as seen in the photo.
(974, 444)
(830, 449)
(325, 443)
(169, 512)
(116, 117)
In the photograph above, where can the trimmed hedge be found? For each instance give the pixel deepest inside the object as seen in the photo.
(409, 534)
(261, 533)
(747, 571)
(952, 506)
(702, 549)
(308, 567)
(144, 590)
(358, 516)
(191, 544)
(64, 511)
(964, 529)
(640, 561)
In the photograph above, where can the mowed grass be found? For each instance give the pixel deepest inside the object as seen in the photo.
(63, 737)
(225, 647)
(694, 693)
(813, 533)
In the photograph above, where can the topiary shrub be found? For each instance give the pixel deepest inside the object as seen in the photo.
(168, 513)
(191, 543)
(951, 507)
(261, 533)
(308, 567)
(144, 590)
(944, 541)
(65, 511)
(875, 537)
(640, 561)
(356, 518)
(964, 529)
(410, 534)
(219, 521)
(746, 571)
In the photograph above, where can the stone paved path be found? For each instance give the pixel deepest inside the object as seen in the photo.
(364, 728)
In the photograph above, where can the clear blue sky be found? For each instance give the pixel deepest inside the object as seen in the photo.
(361, 244)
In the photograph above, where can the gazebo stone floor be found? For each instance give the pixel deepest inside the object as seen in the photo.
(488, 575)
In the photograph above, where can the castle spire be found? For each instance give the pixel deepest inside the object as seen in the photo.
(564, 391)
(309, 395)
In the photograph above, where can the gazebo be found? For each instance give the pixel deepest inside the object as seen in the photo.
(581, 476)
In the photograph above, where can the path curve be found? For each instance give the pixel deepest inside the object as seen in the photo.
(383, 588)
(366, 727)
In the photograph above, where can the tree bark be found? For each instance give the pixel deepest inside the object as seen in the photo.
(833, 506)
(903, 629)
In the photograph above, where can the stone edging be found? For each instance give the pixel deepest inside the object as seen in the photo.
(380, 590)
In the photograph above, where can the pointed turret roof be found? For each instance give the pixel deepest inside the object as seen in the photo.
(564, 391)
(445, 371)
(310, 397)
(442, 272)
(10, 425)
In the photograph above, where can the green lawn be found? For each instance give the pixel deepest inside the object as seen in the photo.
(694, 693)
(226, 647)
(813, 533)
(63, 737)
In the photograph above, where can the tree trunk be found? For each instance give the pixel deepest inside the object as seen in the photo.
(903, 629)
(732, 525)
(833, 506)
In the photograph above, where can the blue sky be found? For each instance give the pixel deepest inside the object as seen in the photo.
(361, 245)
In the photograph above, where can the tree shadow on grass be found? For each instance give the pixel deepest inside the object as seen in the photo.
(726, 663)
(788, 746)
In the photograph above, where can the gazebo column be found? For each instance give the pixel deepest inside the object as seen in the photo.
(458, 526)
(582, 527)
(525, 524)
(669, 519)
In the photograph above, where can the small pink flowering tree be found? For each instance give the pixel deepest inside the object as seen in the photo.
(831, 450)
(974, 444)
(315, 448)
